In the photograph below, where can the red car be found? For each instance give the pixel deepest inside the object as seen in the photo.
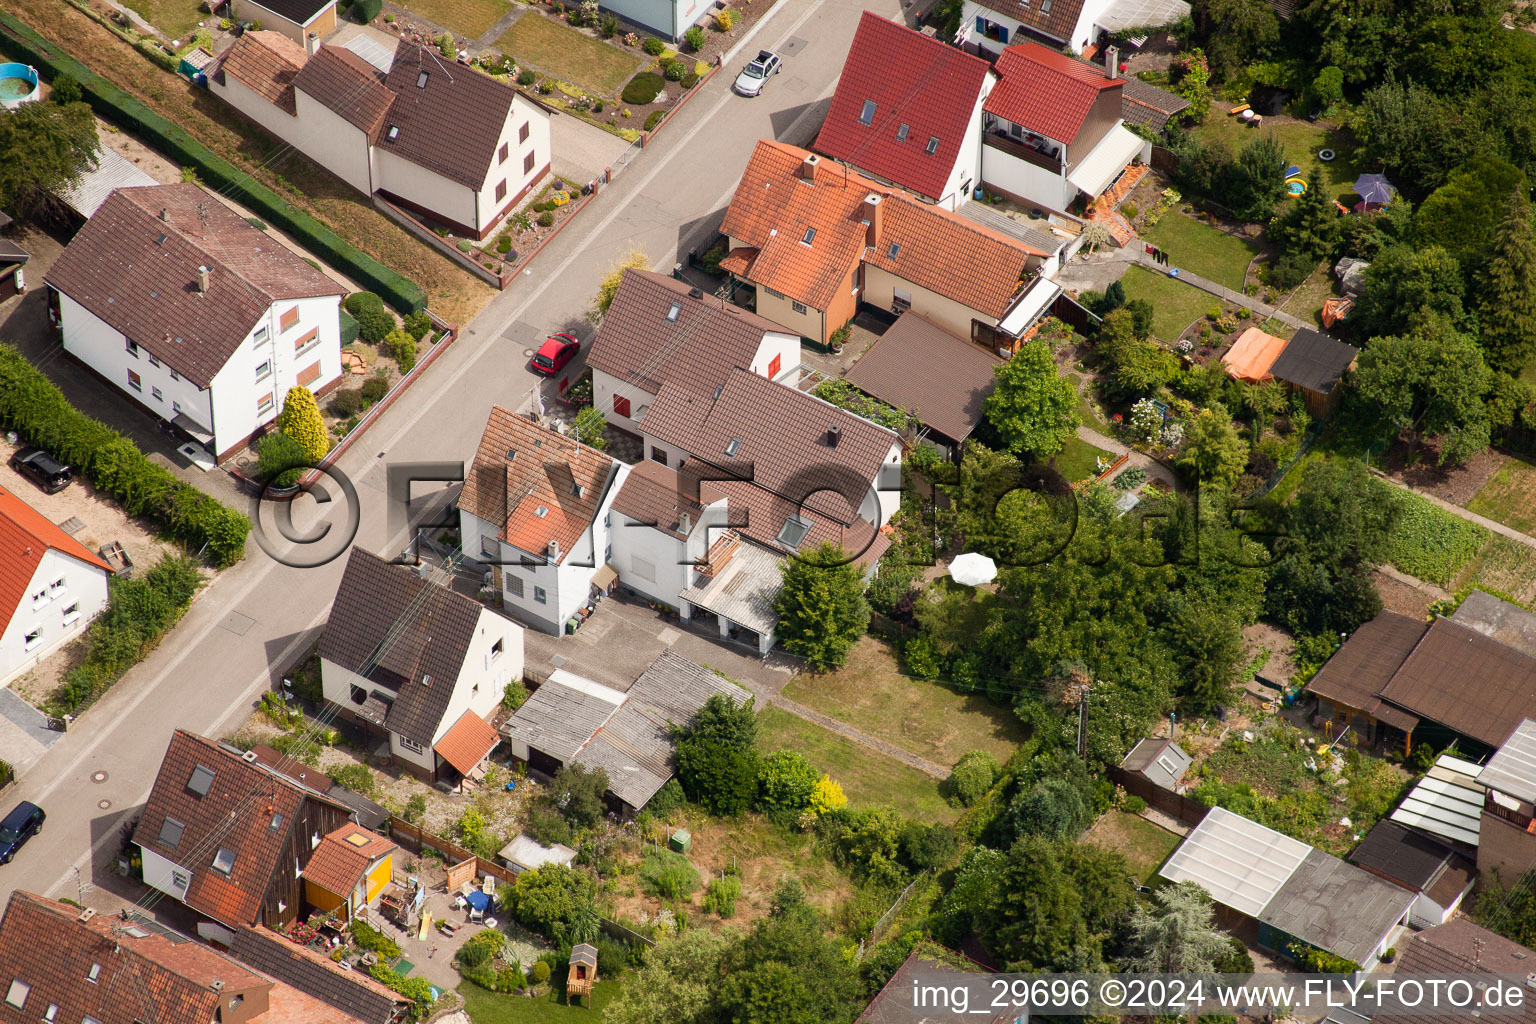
(557, 350)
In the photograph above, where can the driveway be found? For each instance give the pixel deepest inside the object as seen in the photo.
(582, 151)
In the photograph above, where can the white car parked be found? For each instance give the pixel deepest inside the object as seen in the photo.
(752, 78)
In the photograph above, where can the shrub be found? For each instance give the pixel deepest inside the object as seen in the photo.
(66, 89)
(547, 219)
(711, 259)
(674, 70)
(480, 948)
(653, 119)
(694, 37)
(402, 348)
(375, 941)
(280, 460)
(417, 324)
(725, 19)
(356, 777)
(504, 244)
(526, 77)
(300, 419)
(643, 88)
(546, 87)
(349, 328)
(972, 776)
(375, 387)
(539, 973)
(1128, 210)
(373, 321)
(653, 46)
(690, 80)
(514, 696)
(415, 808)
(447, 47)
(722, 895)
(668, 875)
(1134, 804)
(827, 796)
(366, 10)
(608, 25)
(786, 781)
(1131, 478)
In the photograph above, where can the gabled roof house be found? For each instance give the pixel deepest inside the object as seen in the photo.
(905, 112)
(986, 26)
(201, 319)
(229, 837)
(410, 659)
(439, 139)
(51, 586)
(818, 240)
(61, 964)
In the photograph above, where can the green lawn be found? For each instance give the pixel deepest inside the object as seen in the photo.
(502, 1008)
(1078, 460)
(564, 52)
(1277, 328)
(1509, 497)
(1301, 142)
(925, 718)
(1175, 305)
(1144, 845)
(468, 18)
(1306, 302)
(176, 18)
(1202, 249)
(1505, 567)
(868, 777)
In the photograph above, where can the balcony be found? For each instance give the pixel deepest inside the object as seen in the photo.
(1515, 818)
(1020, 151)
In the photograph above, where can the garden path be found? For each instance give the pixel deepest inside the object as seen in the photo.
(862, 738)
(1221, 291)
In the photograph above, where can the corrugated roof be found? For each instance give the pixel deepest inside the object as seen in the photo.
(562, 715)
(1447, 802)
(467, 743)
(112, 171)
(1337, 907)
(1512, 769)
(1239, 862)
(528, 852)
(1466, 682)
(1313, 361)
(921, 89)
(920, 367)
(1046, 91)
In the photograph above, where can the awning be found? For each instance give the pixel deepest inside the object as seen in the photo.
(1031, 304)
(1107, 160)
(196, 430)
(604, 577)
(466, 744)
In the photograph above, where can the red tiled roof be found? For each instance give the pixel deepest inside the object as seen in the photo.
(25, 536)
(921, 89)
(935, 249)
(520, 468)
(266, 63)
(134, 265)
(341, 858)
(465, 745)
(1045, 91)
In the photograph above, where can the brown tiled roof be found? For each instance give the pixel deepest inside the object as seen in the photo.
(137, 271)
(405, 633)
(760, 514)
(653, 494)
(1145, 104)
(266, 63)
(1357, 672)
(1467, 682)
(467, 742)
(1057, 22)
(1461, 947)
(350, 86)
(140, 977)
(520, 468)
(453, 124)
(920, 367)
(226, 817)
(935, 249)
(342, 857)
(315, 975)
(699, 346)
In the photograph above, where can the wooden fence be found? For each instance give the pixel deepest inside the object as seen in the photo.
(1186, 809)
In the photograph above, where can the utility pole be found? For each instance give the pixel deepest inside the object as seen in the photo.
(1078, 689)
(1173, 725)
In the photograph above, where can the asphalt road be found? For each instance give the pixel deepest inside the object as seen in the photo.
(258, 617)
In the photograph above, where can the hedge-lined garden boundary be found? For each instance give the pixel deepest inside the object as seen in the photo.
(33, 406)
(20, 42)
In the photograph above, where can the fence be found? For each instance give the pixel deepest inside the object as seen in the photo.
(901, 901)
(1186, 809)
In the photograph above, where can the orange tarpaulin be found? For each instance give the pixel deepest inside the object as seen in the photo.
(1251, 356)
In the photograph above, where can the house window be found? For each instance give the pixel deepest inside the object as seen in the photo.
(503, 153)
(497, 648)
(181, 881)
(289, 319)
(56, 586)
(410, 744)
(135, 381)
(490, 547)
(200, 780)
(93, 973)
(261, 335)
(264, 369)
(264, 403)
(621, 405)
(276, 823)
(51, 1014)
(540, 595)
(17, 994)
(809, 236)
(933, 145)
(175, 375)
(514, 585)
(175, 408)
(770, 291)
(40, 598)
(501, 191)
(153, 361)
(155, 392)
(72, 613)
(133, 349)
(659, 455)
(773, 366)
(528, 164)
(307, 341)
(224, 861)
(33, 640)
(309, 374)
(867, 113)
(798, 307)
(901, 133)
(170, 833)
(522, 133)
(421, 80)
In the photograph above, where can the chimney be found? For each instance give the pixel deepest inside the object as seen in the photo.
(165, 214)
(684, 523)
(695, 293)
(808, 167)
(554, 551)
(202, 280)
(312, 43)
(1111, 62)
(834, 434)
(871, 218)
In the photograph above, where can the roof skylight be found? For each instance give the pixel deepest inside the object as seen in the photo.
(867, 115)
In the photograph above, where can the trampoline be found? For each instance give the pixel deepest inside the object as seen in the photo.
(1325, 155)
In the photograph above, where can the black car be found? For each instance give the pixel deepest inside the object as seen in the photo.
(24, 822)
(46, 471)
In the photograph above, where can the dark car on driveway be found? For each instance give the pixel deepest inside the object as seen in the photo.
(43, 469)
(24, 822)
(557, 350)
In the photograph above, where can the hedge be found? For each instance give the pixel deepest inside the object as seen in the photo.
(643, 88)
(21, 43)
(349, 329)
(32, 405)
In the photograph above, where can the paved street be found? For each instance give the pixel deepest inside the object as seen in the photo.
(206, 675)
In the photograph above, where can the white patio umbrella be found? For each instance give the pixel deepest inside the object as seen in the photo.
(972, 569)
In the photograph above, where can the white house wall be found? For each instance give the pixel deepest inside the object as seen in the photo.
(786, 347)
(427, 189)
(670, 18)
(1008, 173)
(606, 385)
(481, 681)
(331, 141)
(84, 589)
(511, 171)
(157, 873)
(258, 108)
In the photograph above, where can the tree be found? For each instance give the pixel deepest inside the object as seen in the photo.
(636, 259)
(1055, 808)
(550, 899)
(1191, 79)
(1463, 215)
(1428, 382)
(1207, 641)
(1032, 406)
(716, 756)
(1507, 292)
(1214, 455)
(786, 971)
(1255, 181)
(827, 796)
(578, 793)
(1136, 367)
(821, 606)
(1404, 282)
(786, 782)
(301, 420)
(972, 776)
(677, 982)
(1310, 226)
(43, 147)
(1238, 32)
(1179, 936)
(1033, 917)
(589, 426)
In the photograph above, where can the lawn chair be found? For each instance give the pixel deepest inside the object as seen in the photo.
(476, 914)
(489, 886)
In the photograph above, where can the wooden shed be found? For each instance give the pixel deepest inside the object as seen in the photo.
(583, 974)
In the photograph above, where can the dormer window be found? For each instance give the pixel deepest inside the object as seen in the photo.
(933, 145)
(810, 236)
(677, 307)
(867, 114)
(901, 133)
(734, 447)
(421, 79)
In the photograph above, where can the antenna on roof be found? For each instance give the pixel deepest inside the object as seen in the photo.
(424, 51)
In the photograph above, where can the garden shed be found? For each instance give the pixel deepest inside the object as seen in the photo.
(1438, 877)
(524, 853)
(1161, 762)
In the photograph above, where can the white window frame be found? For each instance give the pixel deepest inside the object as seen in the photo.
(72, 614)
(262, 336)
(540, 595)
(136, 382)
(131, 347)
(798, 307)
(264, 404)
(410, 744)
(40, 599)
(33, 640)
(154, 393)
(153, 361)
(263, 369)
(309, 346)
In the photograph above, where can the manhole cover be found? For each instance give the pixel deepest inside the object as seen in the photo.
(792, 47)
(103, 804)
(527, 353)
(237, 624)
(98, 777)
